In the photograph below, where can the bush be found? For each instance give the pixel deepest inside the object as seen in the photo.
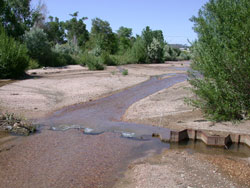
(126, 58)
(139, 52)
(221, 55)
(60, 59)
(183, 56)
(125, 72)
(13, 57)
(107, 60)
(38, 46)
(68, 48)
(33, 64)
(92, 62)
(155, 51)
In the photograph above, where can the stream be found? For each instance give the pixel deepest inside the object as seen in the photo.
(87, 145)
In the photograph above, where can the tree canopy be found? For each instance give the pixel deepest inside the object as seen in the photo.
(221, 55)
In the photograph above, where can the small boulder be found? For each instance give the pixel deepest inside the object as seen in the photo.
(20, 131)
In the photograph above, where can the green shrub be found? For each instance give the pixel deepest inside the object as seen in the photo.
(38, 46)
(33, 64)
(125, 72)
(221, 55)
(69, 48)
(123, 59)
(92, 62)
(60, 59)
(107, 60)
(155, 51)
(139, 52)
(13, 57)
(183, 56)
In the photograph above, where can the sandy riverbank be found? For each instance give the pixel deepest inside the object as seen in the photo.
(53, 88)
(167, 108)
(185, 169)
(178, 168)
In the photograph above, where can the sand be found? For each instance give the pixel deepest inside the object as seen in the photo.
(53, 88)
(167, 108)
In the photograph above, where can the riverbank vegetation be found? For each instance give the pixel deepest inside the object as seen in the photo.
(41, 41)
(221, 56)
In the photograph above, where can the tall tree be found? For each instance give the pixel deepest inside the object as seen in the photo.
(221, 55)
(76, 30)
(102, 34)
(15, 16)
(148, 35)
(55, 31)
(125, 38)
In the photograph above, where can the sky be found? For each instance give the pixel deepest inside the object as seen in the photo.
(170, 16)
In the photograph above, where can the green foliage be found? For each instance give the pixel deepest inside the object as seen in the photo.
(107, 60)
(154, 45)
(148, 35)
(55, 31)
(33, 64)
(221, 55)
(124, 39)
(103, 36)
(155, 51)
(138, 51)
(174, 54)
(68, 48)
(184, 55)
(93, 62)
(125, 72)
(15, 16)
(13, 57)
(40, 49)
(123, 59)
(38, 45)
(77, 32)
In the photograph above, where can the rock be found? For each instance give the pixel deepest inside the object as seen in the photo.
(31, 128)
(8, 128)
(16, 125)
(20, 131)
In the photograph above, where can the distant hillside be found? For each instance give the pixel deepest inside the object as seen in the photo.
(179, 46)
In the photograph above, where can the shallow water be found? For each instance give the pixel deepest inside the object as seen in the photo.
(104, 115)
(236, 150)
(87, 145)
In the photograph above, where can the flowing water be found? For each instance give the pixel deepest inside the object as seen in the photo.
(87, 145)
(104, 115)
